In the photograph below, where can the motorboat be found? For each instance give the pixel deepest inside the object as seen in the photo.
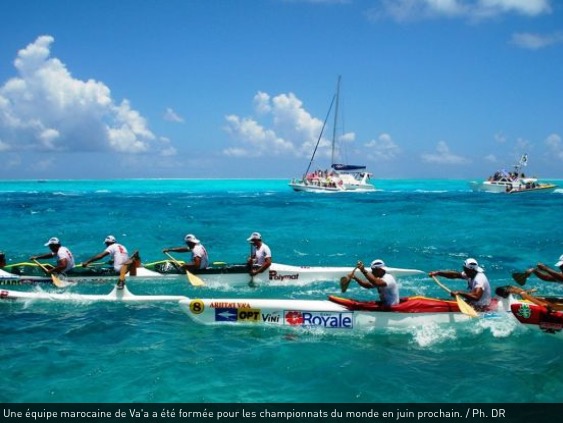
(512, 182)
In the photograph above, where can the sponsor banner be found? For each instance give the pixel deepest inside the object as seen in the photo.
(274, 275)
(240, 315)
(322, 319)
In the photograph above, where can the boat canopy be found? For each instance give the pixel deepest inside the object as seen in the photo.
(349, 168)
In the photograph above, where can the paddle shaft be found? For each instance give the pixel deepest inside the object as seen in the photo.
(193, 279)
(345, 280)
(441, 285)
(464, 307)
(56, 281)
(176, 262)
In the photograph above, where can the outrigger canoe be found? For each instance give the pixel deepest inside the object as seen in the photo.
(532, 314)
(335, 313)
(219, 274)
(545, 313)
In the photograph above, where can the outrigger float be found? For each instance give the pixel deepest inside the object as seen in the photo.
(219, 274)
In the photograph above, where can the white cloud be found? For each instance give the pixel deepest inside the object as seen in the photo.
(166, 148)
(555, 146)
(536, 41)
(383, 148)
(4, 146)
(281, 126)
(262, 103)
(44, 108)
(412, 10)
(500, 138)
(443, 156)
(491, 158)
(171, 116)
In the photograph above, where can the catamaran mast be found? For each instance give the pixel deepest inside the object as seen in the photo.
(335, 119)
(320, 137)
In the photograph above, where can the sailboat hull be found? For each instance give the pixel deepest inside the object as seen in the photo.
(300, 185)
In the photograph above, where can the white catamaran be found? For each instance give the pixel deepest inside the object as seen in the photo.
(340, 177)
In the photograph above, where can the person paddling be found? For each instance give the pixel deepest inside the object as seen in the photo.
(479, 294)
(260, 255)
(200, 259)
(122, 263)
(545, 273)
(379, 279)
(65, 259)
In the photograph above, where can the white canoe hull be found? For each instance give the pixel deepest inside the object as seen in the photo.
(306, 187)
(310, 314)
(7, 278)
(116, 295)
(283, 274)
(280, 313)
(233, 276)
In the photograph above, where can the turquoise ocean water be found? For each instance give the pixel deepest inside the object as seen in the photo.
(94, 352)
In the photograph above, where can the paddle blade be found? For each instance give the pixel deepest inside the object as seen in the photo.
(465, 308)
(344, 283)
(520, 277)
(194, 280)
(58, 282)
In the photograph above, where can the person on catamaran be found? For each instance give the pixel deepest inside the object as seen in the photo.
(379, 279)
(260, 255)
(479, 289)
(122, 263)
(545, 273)
(200, 259)
(2, 259)
(65, 259)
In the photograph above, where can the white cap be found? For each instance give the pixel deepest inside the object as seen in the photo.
(560, 262)
(53, 241)
(191, 238)
(377, 264)
(255, 235)
(472, 264)
(110, 238)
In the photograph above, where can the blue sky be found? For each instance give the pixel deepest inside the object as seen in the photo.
(240, 89)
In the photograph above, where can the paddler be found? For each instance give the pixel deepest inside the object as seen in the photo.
(65, 259)
(122, 263)
(384, 282)
(260, 254)
(200, 259)
(479, 289)
(545, 273)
